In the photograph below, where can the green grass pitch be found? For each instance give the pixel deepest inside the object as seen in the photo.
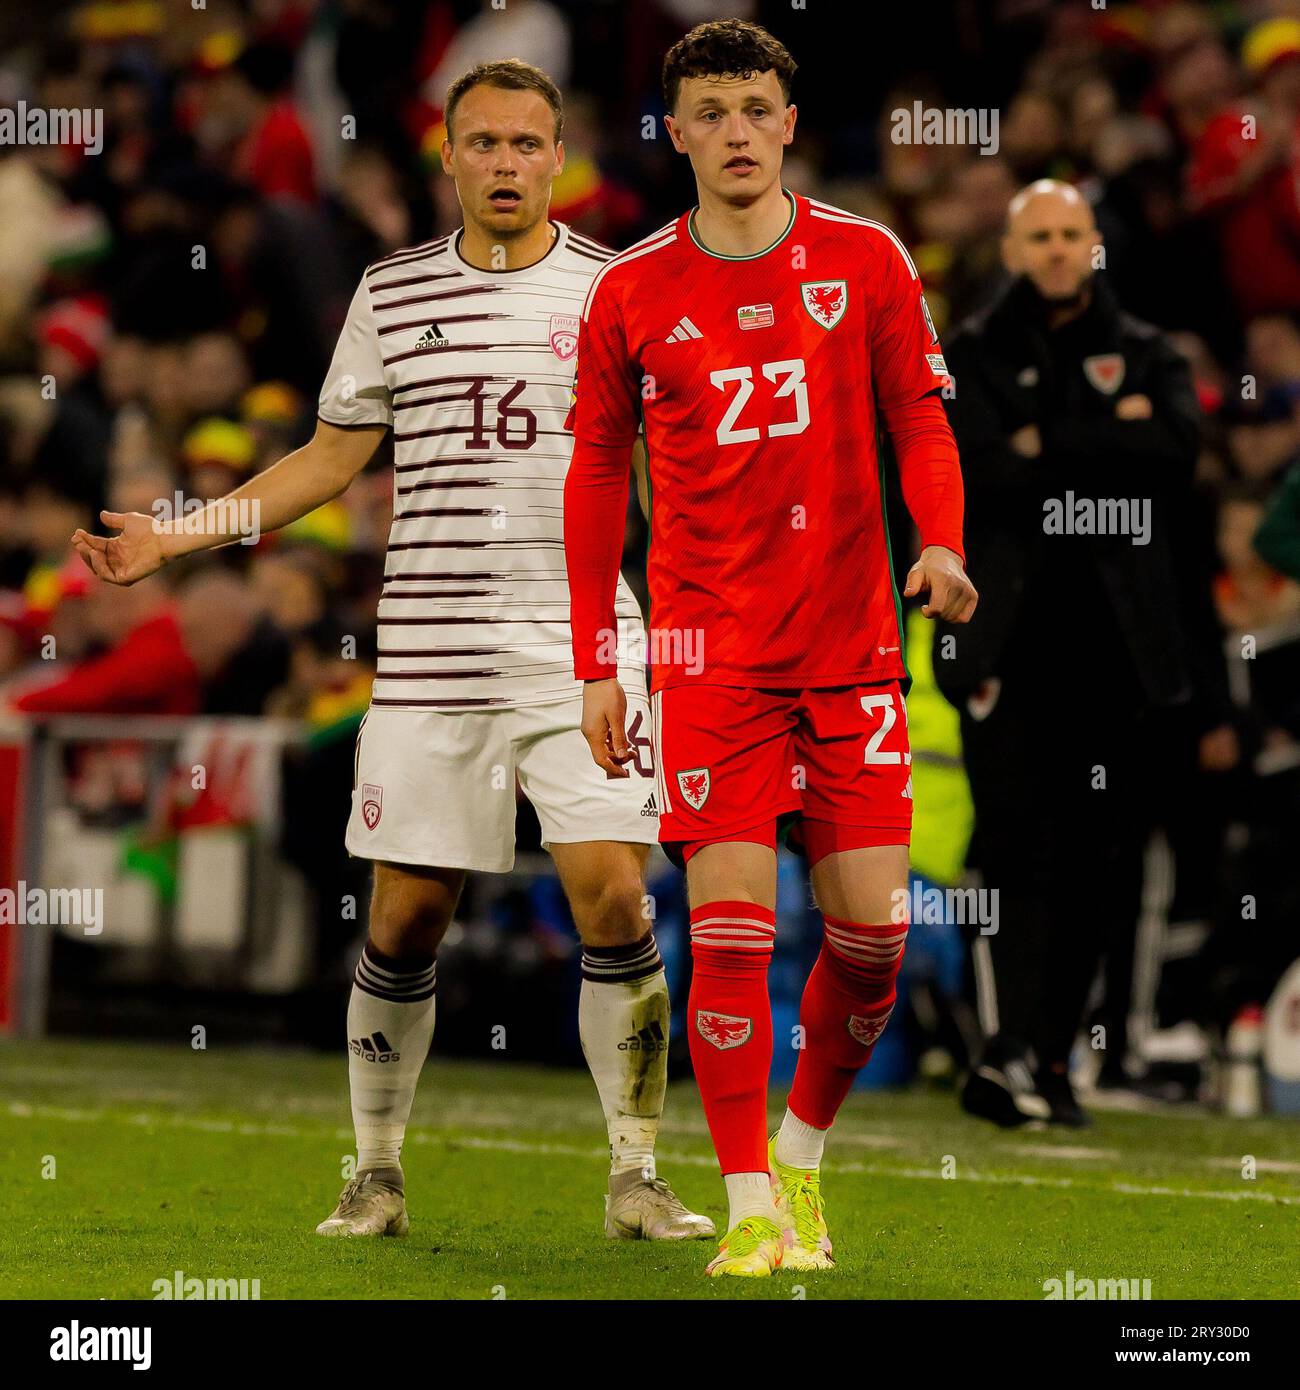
(220, 1163)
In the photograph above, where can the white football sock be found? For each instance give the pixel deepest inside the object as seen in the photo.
(799, 1145)
(390, 1027)
(749, 1194)
(623, 1024)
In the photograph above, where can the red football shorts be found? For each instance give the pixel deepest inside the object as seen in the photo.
(731, 761)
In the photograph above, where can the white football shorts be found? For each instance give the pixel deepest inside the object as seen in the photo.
(438, 788)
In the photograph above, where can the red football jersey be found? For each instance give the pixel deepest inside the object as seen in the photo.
(759, 379)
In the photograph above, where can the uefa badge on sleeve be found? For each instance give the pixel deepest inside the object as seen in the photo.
(825, 300)
(929, 321)
(372, 804)
(564, 335)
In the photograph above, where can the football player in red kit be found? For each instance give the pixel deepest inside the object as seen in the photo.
(761, 339)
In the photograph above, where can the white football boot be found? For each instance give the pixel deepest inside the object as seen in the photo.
(372, 1204)
(638, 1207)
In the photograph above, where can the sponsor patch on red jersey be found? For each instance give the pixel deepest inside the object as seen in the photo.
(755, 316)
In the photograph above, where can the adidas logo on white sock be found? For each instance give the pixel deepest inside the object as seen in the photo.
(649, 1039)
(375, 1048)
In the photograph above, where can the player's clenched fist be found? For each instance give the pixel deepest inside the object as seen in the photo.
(604, 716)
(940, 573)
(123, 559)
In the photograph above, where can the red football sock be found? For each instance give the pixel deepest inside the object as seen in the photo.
(845, 1006)
(729, 1025)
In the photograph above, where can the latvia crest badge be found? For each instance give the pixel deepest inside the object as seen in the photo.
(825, 300)
(1105, 372)
(564, 335)
(867, 1030)
(694, 786)
(723, 1030)
(372, 804)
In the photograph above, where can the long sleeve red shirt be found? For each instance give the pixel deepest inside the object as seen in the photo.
(149, 672)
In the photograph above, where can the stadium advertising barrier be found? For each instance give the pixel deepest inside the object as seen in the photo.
(158, 835)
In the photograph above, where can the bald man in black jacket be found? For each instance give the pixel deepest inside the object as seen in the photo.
(1078, 429)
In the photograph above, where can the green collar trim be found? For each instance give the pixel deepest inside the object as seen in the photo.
(717, 255)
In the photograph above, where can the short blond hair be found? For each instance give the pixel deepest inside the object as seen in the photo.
(511, 75)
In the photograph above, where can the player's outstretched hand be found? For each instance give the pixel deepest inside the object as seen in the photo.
(940, 573)
(123, 559)
(604, 716)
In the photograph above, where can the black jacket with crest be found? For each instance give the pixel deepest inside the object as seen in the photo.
(1009, 369)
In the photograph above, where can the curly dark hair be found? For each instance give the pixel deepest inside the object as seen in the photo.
(725, 48)
(512, 74)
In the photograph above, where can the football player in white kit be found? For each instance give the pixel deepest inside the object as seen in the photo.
(464, 347)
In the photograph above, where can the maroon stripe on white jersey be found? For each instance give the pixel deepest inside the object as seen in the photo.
(437, 297)
(424, 251)
(416, 280)
(462, 348)
(443, 321)
(591, 255)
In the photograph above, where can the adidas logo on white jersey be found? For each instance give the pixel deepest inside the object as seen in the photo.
(433, 338)
(650, 808)
(684, 331)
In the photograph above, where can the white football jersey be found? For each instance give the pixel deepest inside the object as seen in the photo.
(473, 369)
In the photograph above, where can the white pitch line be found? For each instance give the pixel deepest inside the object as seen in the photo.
(457, 1111)
(1066, 1151)
(1262, 1165)
(1120, 1103)
(862, 1141)
(1134, 1191)
(20, 1110)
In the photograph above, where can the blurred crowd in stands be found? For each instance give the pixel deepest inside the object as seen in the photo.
(168, 306)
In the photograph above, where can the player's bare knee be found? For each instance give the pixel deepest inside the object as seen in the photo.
(613, 914)
(410, 913)
(414, 934)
